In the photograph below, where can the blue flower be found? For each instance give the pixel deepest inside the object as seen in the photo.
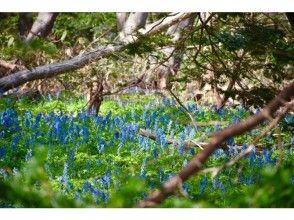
(252, 157)
(87, 187)
(185, 187)
(155, 154)
(106, 180)
(3, 173)
(215, 183)
(267, 156)
(230, 141)
(116, 135)
(119, 148)
(15, 170)
(203, 184)
(222, 187)
(160, 138)
(78, 197)
(181, 149)
(221, 112)
(2, 152)
(143, 168)
(185, 163)
(101, 146)
(15, 141)
(2, 134)
(64, 179)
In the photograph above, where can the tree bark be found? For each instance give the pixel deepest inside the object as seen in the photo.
(24, 24)
(173, 55)
(290, 16)
(121, 20)
(134, 22)
(197, 162)
(51, 70)
(42, 26)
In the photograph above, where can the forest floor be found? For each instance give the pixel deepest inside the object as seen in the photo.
(54, 154)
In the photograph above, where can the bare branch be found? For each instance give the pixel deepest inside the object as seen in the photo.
(51, 70)
(216, 170)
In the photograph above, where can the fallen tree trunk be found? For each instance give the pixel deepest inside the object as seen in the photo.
(197, 162)
(77, 62)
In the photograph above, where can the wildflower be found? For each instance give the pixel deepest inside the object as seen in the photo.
(215, 183)
(185, 163)
(87, 186)
(143, 168)
(15, 170)
(3, 173)
(252, 157)
(169, 126)
(119, 147)
(116, 135)
(181, 149)
(64, 180)
(222, 187)
(78, 197)
(219, 153)
(15, 141)
(2, 152)
(203, 184)
(267, 156)
(155, 154)
(101, 146)
(185, 187)
(106, 180)
(2, 133)
(160, 138)
(192, 151)
(221, 112)
(230, 141)
(28, 155)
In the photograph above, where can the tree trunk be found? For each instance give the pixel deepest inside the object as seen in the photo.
(25, 24)
(42, 26)
(290, 16)
(121, 20)
(173, 54)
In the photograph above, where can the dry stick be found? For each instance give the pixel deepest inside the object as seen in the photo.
(216, 170)
(196, 163)
(10, 66)
(187, 143)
